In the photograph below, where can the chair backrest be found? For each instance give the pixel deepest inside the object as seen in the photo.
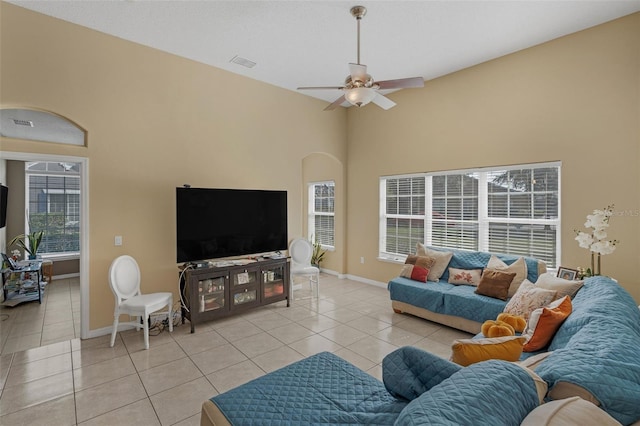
(124, 277)
(301, 251)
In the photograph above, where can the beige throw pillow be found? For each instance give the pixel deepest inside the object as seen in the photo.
(529, 298)
(442, 259)
(573, 411)
(519, 267)
(560, 285)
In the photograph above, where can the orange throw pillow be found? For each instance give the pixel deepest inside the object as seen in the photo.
(544, 322)
(469, 351)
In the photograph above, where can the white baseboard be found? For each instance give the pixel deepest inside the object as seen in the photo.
(107, 330)
(367, 281)
(122, 327)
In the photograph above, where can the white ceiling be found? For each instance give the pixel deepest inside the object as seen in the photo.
(310, 43)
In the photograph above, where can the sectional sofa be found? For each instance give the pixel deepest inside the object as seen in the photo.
(589, 374)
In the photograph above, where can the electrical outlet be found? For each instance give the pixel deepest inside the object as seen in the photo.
(117, 240)
(362, 259)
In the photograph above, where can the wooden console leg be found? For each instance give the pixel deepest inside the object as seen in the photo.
(397, 311)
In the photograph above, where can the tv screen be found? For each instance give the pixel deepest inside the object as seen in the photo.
(213, 223)
(4, 194)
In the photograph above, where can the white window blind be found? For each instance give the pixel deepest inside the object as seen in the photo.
(512, 210)
(322, 213)
(53, 200)
(454, 210)
(523, 214)
(403, 214)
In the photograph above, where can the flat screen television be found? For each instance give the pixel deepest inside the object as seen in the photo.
(4, 195)
(215, 223)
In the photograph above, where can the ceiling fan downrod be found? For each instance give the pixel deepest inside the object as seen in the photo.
(358, 12)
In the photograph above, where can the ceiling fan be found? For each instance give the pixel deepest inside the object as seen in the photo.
(359, 87)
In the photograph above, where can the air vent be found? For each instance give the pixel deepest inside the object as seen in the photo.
(242, 61)
(22, 122)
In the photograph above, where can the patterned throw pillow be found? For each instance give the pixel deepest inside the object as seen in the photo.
(442, 260)
(465, 276)
(417, 267)
(519, 267)
(529, 298)
(495, 283)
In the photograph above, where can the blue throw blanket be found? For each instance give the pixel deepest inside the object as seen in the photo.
(495, 393)
(323, 389)
(598, 348)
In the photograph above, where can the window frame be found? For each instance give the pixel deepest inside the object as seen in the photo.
(483, 218)
(29, 173)
(312, 213)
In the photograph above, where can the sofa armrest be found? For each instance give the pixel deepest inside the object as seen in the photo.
(408, 372)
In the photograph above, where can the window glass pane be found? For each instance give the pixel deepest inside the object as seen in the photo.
(438, 183)
(520, 205)
(404, 205)
(392, 205)
(417, 205)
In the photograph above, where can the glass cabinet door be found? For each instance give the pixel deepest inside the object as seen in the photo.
(211, 294)
(246, 296)
(273, 281)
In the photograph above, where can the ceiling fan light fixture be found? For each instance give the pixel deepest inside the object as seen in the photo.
(360, 96)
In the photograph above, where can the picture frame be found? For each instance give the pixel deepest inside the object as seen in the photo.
(567, 273)
(243, 278)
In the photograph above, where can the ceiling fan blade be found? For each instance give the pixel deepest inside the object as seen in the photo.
(358, 72)
(401, 83)
(321, 88)
(383, 102)
(335, 103)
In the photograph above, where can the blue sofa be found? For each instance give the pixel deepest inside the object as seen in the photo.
(456, 306)
(419, 388)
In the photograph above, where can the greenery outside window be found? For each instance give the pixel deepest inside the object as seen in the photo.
(512, 210)
(53, 206)
(322, 213)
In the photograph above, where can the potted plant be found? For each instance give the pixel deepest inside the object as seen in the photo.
(29, 242)
(318, 253)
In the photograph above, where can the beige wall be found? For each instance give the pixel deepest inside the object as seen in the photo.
(16, 213)
(156, 121)
(574, 99)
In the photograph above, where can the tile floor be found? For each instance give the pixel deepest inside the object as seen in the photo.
(74, 382)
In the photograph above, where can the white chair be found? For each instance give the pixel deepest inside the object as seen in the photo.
(301, 251)
(124, 279)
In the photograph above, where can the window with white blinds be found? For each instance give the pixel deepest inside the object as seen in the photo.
(322, 213)
(512, 210)
(53, 200)
(403, 213)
